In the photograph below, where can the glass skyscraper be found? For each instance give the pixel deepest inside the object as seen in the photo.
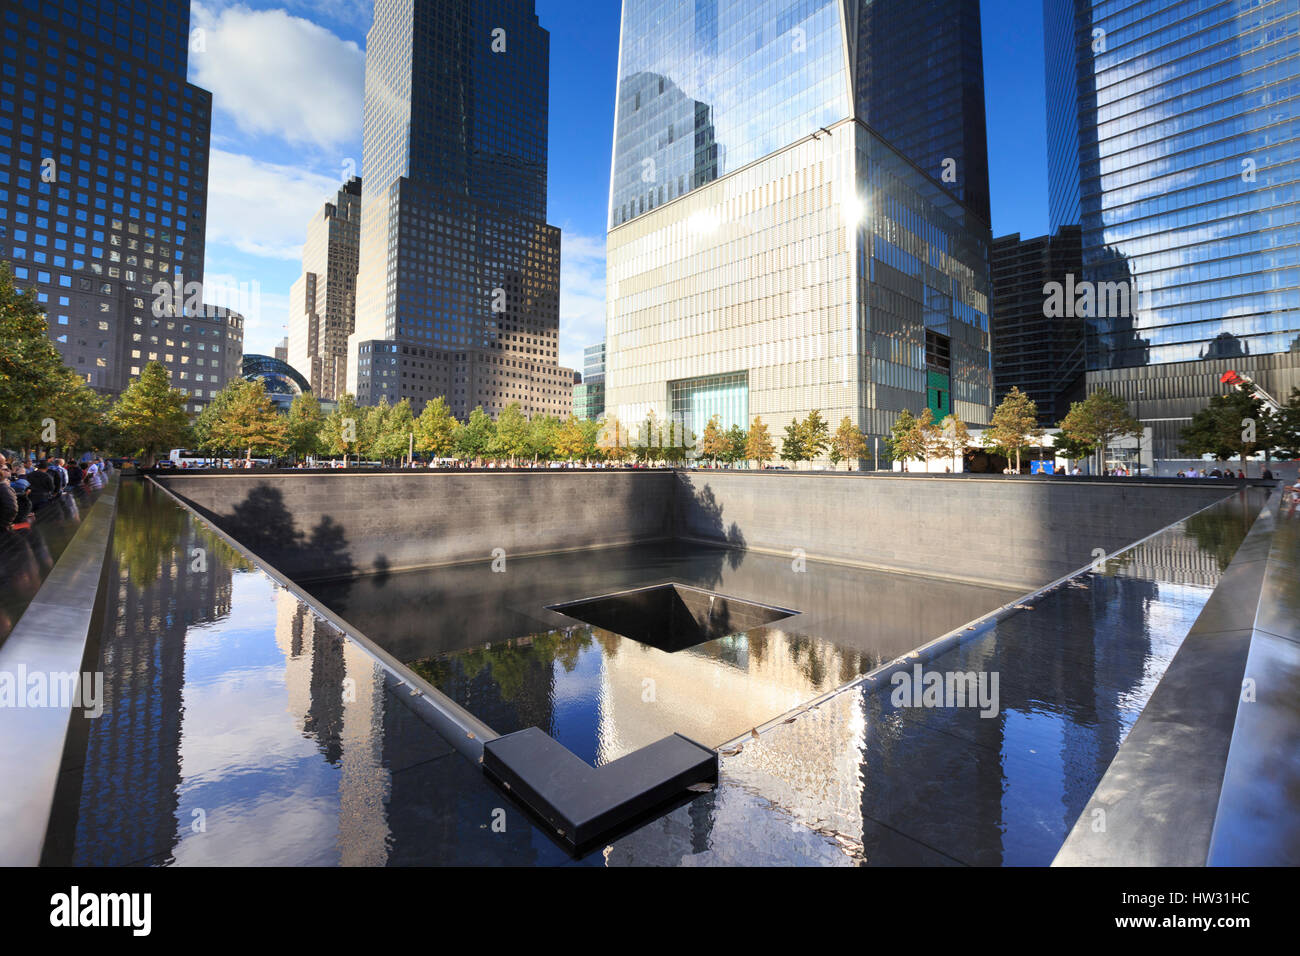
(459, 273)
(1174, 141)
(103, 188)
(798, 213)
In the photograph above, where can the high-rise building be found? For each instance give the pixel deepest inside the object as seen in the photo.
(1034, 349)
(589, 394)
(322, 303)
(103, 188)
(798, 213)
(1174, 141)
(459, 281)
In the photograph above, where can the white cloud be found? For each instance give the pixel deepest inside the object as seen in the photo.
(277, 74)
(582, 295)
(262, 208)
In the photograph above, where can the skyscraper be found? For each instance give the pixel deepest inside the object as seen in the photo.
(1174, 140)
(322, 303)
(103, 189)
(589, 394)
(1039, 353)
(458, 288)
(798, 213)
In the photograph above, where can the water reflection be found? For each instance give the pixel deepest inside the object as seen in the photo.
(488, 640)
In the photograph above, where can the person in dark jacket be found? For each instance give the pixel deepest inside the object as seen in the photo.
(75, 475)
(42, 484)
(8, 502)
(20, 488)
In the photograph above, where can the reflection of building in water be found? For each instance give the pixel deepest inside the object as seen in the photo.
(337, 692)
(747, 680)
(135, 745)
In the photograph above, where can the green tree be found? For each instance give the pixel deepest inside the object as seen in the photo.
(792, 445)
(79, 416)
(735, 451)
(392, 440)
(340, 435)
(1286, 427)
(542, 433)
(250, 422)
(1233, 425)
(848, 443)
(905, 442)
(590, 438)
(474, 440)
(150, 415)
(758, 443)
(305, 421)
(436, 429)
(512, 434)
(31, 371)
(207, 419)
(1097, 421)
(1014, 426)
(1072, 449)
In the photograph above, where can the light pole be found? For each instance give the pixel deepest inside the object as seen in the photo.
(1141, 434)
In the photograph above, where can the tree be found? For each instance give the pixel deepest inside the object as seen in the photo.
(150, 415)
(905, 439)
(613, 440)
(79, 416)
(815, 435)
(305, 421)
(570, 444)
(590, 438)
(250, 422)
(392, 438)
(714, 444)
(736, 439)
(758, 444)
(792, 446)
(1232, 425)
(339, 434)
(475, 437)
(1014, 426)
(542, 433)
(512, 433)
(1097, 421)
(436, 429)
(953, 437)
(848, 443)
(929, 437)
(1072, 449)
(1286, 427)
(31, 371)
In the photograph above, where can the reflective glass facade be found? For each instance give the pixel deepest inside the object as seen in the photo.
(458, 268)
(1189, 174)
(103, 187)
(919, 83)
(820, 265)
(694, 401)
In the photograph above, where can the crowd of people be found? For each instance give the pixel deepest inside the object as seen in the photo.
(28, 486)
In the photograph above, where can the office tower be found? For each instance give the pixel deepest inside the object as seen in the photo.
(103, 186)
(322, 303)
(1174, 132)
(459, 281)
(1036, 351)
(282, 350)
(770, 250)
(589, 394)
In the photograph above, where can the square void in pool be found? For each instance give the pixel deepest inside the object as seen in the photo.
(671, 617)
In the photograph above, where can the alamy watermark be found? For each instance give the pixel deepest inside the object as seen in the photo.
(920, 688)
(1093, 300)
(38, 689)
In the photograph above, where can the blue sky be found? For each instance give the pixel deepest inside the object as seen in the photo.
(286, 78)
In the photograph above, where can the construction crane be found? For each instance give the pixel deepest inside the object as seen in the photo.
(1246, 384)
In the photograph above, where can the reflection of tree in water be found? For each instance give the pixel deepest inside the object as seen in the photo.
(146, 532)
(508, 663)
(1217, 535)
